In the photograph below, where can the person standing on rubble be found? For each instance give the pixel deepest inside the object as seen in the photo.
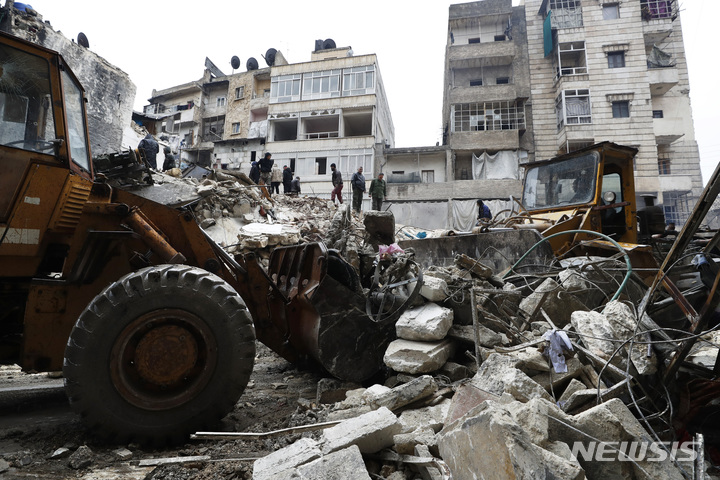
(337, 182)
(378, 191)
(266, 164)
(255, 172)
(151, 148)
(295, 186)
(276, 177)
(287, 179)
(169, 162)
(357, 181)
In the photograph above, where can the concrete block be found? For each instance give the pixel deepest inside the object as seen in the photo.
(428, 322)
(572, 387)
(432, 417)
(455, 371)
(271, 466)
(371, 432)
(404, 394)
(530, 360)
(466, 398)
(346, 464)
(487, 338)
(498, 375)
(427, 472)
(405, 443)
(434, 289)
(558, 304)
(555, 381)
(417, 357)
(375, 392)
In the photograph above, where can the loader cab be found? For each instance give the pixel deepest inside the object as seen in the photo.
(42, 117)
(589, 189)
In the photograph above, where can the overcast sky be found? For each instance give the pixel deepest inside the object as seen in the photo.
(163, 44)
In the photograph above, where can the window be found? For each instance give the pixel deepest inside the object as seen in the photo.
(236, 128)
(325, 84)
(657, 114)
(213, 129)
(502, 80)
(657, 9)
(321, 166)
(571, 59)
(500, 38)
(664, 164)
(474, 117)
(398, 172)
(573, 108)
(476, 83)
(239, 92)
(611, 11)
(616, 59)
(474, 40)
(285, 88)
(359, 80)
(565, 13)
(221, 101)
(428, 176)
(621, 109)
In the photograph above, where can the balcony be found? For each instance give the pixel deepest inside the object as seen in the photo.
(668, 129)
(662, 79)
(486, 93)
(491, 53)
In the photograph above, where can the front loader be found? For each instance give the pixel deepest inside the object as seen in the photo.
(151, 322)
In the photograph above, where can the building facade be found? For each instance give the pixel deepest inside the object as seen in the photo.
(616, 71)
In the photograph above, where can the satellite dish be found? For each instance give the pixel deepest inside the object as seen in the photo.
(329, 43)
(82, 40)
(270, 57)
(251, 64)
(235, 62)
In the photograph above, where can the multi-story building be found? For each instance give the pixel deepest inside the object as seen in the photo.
(332, 109)
(609, 70)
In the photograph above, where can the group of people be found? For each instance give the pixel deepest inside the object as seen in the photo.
(270, 174)
(150, 147)
(377, 191)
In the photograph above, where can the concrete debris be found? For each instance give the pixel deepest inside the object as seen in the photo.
(527, 367)
(81, 458)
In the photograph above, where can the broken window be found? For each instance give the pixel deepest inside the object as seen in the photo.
(658, 58)
(571, 59)
(616, 59)
(573, 108)
(213, 128)
(621, 109)
(325, 84)
(285, 129)
(473, 117)
(611, 11)
(565, 13)
(359, 80)
(285, 88)
(357, 123)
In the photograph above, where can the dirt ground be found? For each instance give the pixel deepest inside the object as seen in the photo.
(30, 434)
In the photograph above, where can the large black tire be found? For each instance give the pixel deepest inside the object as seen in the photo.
(159, 354)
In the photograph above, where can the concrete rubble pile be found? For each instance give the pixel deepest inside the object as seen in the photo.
(488, 377)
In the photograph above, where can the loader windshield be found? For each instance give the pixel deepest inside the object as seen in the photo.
(77, 134)
(26, 120)
(567, 182)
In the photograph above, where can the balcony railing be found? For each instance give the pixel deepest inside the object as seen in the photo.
(314, 135)
(657, 9)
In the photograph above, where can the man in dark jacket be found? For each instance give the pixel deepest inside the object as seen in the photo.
(169, 162)
(287, 179)
(255, 172)
(151, 148)
(337, 182)
(295, 186)
(378, 191)
(358, 188)
(266, 164)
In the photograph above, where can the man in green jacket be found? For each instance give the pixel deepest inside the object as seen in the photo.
(378, 191)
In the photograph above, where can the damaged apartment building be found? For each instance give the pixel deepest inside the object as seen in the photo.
(332, 109)
(548, 77)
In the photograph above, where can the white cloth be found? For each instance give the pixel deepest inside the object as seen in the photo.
(503, 164)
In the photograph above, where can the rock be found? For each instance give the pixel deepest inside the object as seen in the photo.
(466, 398)
(61, 452)
(123, 453)
(4, 466)
(596, 333)
(208, 222)
(427, 472)
(371, 432)
(455, 371)
(552, 381)
(428, 322)
(573, 386)
(405, 443)
(417, 357)
(487, 338)
(331, 390)
(404, 394)
(81, 458)
(286, 459)
(432, 417)
(434, 289)
(558, 304)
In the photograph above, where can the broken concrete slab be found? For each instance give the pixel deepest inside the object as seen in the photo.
(418, 357)
(371, 432)
(552, 381)
(433, 416)
(346, 464)
(554, 300)
(498, 375)
(405, 443)
(286, 459)
(434, 289)
(428, 322)
(379, 228)
(402, 395)
(466, 333)
(572, 387)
